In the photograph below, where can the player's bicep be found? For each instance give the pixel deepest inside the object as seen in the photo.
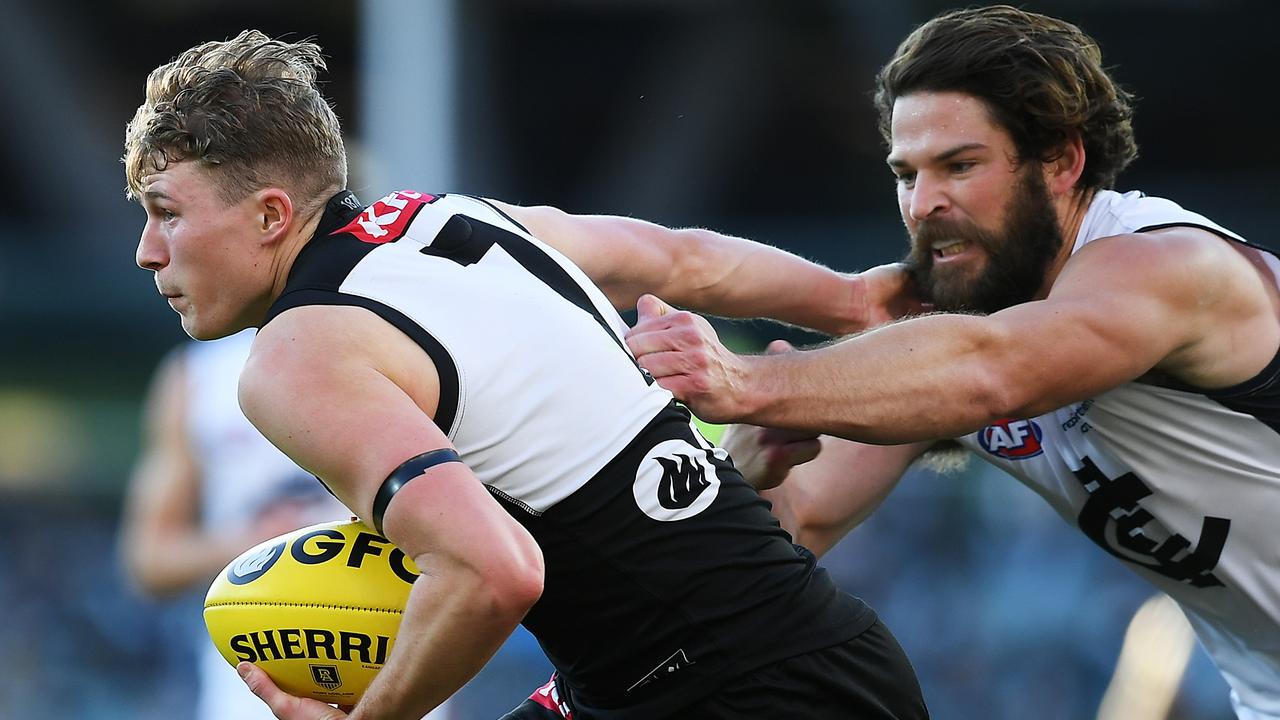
(310, 387)
(340, 419)
(1113, 314)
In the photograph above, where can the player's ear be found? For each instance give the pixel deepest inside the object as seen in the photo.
(275, 213)
(1066, 167)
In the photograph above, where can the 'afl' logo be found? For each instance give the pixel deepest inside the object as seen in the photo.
(253, 565)
(1012, 439)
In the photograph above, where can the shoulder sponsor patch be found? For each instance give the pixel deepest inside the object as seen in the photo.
(386, 220)
(1012, 439)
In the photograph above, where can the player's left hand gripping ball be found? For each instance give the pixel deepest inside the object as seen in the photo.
(317, 608)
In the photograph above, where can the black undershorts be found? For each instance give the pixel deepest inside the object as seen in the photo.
(866, 678)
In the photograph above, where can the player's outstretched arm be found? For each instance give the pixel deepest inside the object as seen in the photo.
(945, 375)
(350, 398)
(719, 274)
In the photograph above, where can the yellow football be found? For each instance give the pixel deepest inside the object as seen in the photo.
(317, 608)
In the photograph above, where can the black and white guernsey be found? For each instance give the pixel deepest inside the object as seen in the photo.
(666, 575)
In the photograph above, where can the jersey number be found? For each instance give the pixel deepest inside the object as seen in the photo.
(466, 242)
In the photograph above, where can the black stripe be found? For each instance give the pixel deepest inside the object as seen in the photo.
(1258, 397)
(499, 211)
(551, 273)
(408, 470)
(446, 368)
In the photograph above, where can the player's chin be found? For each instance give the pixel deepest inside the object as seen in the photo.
(193, 328)
(199, 328)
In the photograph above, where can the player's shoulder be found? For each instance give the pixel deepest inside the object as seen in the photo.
(1176, 248)
(1188, 270)
(309, 334)
(325, 344)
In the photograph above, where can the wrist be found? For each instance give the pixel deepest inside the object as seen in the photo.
(749, 396)
(853, 313)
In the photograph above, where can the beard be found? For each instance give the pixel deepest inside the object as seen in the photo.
(1019, 254)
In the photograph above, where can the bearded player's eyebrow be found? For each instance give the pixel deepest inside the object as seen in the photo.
(942, 157)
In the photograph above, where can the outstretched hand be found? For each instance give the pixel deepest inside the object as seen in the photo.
(283, 705)
(683, 353)
(890, 293)
(763, 455)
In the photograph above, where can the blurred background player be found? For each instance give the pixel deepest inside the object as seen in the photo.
(207, 486)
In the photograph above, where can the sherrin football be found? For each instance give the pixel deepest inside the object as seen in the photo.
(317, 608)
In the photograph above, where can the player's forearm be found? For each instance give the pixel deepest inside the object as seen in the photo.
(453, 623)
(700, 269)
(822, 500)
(733, 277)
(930, 378)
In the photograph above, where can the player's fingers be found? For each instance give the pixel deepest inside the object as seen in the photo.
(801, 451)
(671, 341)
(778, 347)
(650, 306)
(662, 364)
(669, 369)
(675, 322)
(679, 332)
(283, 705)
(259, 683)
(642, 343)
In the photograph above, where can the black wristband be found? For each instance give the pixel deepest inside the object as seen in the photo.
(408, 470)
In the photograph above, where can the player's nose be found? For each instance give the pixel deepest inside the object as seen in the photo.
(927, 197)
(151, 253)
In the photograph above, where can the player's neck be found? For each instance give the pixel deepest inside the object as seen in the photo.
(1071, 213)
(287, 252)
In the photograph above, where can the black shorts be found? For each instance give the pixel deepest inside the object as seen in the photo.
(866, 678)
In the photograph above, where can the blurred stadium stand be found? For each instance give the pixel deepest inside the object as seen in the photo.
(749, 116)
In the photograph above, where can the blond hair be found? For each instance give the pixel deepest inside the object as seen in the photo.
(248, 111)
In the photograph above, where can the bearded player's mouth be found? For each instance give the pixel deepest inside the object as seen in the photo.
(949, 248)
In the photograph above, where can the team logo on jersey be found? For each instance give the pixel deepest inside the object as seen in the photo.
(676, 480)
(1012, 439)
(1113, 519)
(387, 219)
(255, 565)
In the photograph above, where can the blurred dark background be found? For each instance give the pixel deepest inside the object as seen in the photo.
(751, 117)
